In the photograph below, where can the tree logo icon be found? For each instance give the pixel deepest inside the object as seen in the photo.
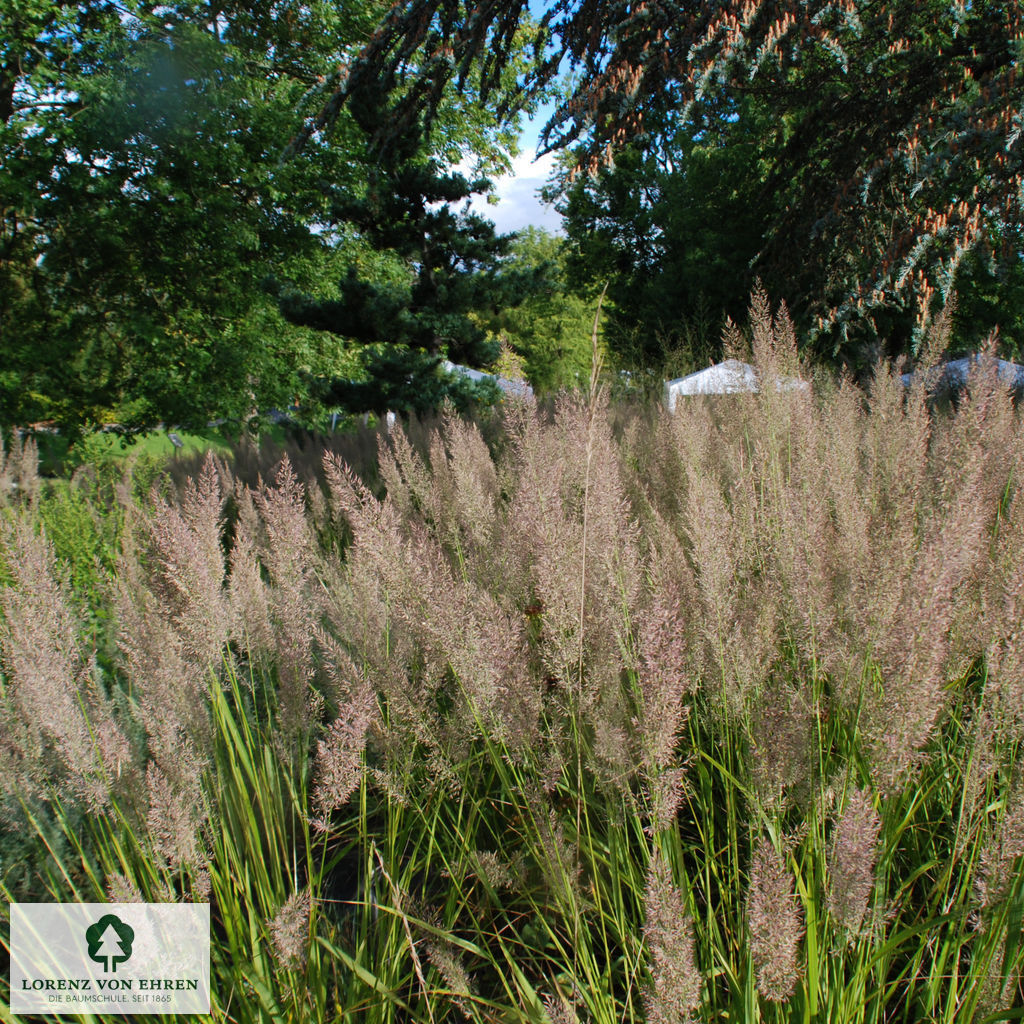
(110, 941)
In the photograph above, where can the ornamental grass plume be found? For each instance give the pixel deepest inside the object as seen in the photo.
(560, 1010)
(665, 685)
(674, 990)
(943, 538)
(783, 745)
(19, 471)
(1003, 848)
(663, 660)
(492, 870)
(569, 520)
(288, 552)
(1000, 609)
(6, 472)
(174, 614)
(447, 961)
(462, 500)
(735, 618)
(851, 863)
(784, 505)
(176, 817)
(289, 931)
(252, 628)
(774, 923)
(186, 558)
(468, 643)
(851, 538)
(175, 620)
(59, 733)
(123, 890)
(338, 763)
(361, 606)
(549, 543)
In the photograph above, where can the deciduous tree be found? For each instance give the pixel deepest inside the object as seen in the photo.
(550, 329)
(141, 204)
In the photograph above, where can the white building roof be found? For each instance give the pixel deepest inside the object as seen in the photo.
(519, 388)
(725, 378)
(954, 373)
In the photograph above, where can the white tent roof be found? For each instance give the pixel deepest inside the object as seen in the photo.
(954, 373)
(726, 378)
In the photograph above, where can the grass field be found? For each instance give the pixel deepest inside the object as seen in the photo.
(602, 715)
(57, 458)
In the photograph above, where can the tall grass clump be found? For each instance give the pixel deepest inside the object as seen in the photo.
(609, 715)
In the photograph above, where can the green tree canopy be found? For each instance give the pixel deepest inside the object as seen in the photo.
(890, 144)
(676, 239)
(142, 204)
(449, 264)
(144, 201)
(550, 328)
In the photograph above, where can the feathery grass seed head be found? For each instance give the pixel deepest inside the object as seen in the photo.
(775, 923)
(674, 990)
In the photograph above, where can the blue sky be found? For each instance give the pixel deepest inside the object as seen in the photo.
(518, 205)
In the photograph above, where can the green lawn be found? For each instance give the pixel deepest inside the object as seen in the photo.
(58, 458)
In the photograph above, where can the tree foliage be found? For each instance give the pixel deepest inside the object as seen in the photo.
(549, 330)
(449, 264)
(674, 238)
(157, 163)
(892, 137)
(144, 201)
(142, 204)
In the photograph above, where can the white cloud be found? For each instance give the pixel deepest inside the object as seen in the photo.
(519, 206)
